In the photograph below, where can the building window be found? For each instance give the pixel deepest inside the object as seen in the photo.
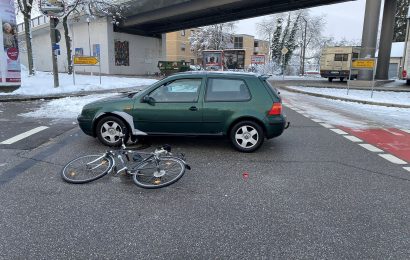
(256, 44)
(238, 43)
(183, 46)
(183, 33)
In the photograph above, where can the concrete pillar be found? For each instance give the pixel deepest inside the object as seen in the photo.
(164, 46)
(369, 38)
(386, 39)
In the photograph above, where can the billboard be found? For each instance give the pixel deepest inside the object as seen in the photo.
(234, 59)
(212, 60)
(10, 72)
(258, 59)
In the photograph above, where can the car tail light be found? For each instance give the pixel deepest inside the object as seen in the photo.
(404, 73)
(276, 109)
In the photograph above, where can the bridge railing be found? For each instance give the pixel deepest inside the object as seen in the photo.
(35, 22)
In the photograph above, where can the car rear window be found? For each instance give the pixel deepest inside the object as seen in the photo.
(227, 90)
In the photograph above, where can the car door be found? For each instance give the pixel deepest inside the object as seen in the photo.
(172, 108)
(223, 98)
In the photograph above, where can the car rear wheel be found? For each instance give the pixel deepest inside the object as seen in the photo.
(110, 129)
(247, 136)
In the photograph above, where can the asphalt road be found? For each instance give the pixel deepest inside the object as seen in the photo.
(311, 193)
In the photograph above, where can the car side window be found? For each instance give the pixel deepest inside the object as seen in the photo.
(180, 90)
(227, 90)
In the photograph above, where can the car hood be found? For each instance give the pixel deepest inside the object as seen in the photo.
(113, 99)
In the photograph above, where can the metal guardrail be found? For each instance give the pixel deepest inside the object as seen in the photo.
(35, 22)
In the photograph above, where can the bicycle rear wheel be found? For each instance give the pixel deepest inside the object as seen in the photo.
(86, 168)
(158, 173)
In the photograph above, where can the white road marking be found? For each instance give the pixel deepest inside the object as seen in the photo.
(392, 132)
(317, 120)
(353, 138)
(371, 148)
(338, 131)
(24, 135)
(326, 125)
(2, 164)
(392, 159)
(406, 130)
(407, 168)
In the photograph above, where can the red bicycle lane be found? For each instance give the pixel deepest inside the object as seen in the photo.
(391, 140)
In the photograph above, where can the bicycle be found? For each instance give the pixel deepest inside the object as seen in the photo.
(159, 169)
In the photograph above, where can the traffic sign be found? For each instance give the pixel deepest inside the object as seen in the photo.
(285, 50)
(86, 60)
(363, 64)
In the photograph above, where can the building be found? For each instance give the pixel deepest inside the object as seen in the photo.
(119, 53)
(178, 46)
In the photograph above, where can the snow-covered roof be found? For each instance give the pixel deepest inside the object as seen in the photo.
(397, 50)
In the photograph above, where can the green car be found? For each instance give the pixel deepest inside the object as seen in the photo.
(241, 106)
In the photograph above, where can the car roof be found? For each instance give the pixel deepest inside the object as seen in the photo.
(218, 73)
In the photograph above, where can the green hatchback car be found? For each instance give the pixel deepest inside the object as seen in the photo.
(241, 106)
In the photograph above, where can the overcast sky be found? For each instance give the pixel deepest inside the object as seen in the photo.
(342, 20)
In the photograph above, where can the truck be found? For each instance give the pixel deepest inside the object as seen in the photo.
(335, 62)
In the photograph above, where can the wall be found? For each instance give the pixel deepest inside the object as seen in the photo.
(144, 54)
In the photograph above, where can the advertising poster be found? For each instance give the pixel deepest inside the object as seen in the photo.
(234, 59)
(212, 60)
(10, 72)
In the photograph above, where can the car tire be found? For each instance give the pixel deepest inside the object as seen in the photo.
(247, 136)
(109, 130)
(330, 79)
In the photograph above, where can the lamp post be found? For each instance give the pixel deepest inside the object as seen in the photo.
(304, 48)
(89, 40)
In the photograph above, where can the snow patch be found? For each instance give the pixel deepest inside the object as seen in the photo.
(402, 98)
(42, 83)
(64, 108)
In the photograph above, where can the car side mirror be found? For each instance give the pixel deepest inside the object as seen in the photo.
(148, 99)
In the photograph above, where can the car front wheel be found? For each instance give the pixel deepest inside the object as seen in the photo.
(110, 129)
(247, 136)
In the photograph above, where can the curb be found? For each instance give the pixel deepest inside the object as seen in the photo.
(5, 98)
(344, 99)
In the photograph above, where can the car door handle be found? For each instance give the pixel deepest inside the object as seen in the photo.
(193, 108)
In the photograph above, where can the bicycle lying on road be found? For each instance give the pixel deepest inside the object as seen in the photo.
(158, 169)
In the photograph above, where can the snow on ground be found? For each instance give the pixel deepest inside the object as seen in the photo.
(348, 114)
(64, 108)
(402, 98)
(43, 84)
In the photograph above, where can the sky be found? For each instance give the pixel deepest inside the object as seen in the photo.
(343, 20)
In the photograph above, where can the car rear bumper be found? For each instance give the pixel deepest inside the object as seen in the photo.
(276, 126)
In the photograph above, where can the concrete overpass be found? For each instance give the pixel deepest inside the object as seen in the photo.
(154, 17)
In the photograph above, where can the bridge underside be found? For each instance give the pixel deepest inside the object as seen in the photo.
(154, 17)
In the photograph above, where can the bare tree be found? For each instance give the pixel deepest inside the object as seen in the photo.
(25, 7)
(213, 37)
(91, 9)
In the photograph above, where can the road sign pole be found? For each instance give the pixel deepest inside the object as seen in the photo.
(99, 67)
(53, 22)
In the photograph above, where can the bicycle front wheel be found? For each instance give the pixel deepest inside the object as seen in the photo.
(158, 173)
(86, 168)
